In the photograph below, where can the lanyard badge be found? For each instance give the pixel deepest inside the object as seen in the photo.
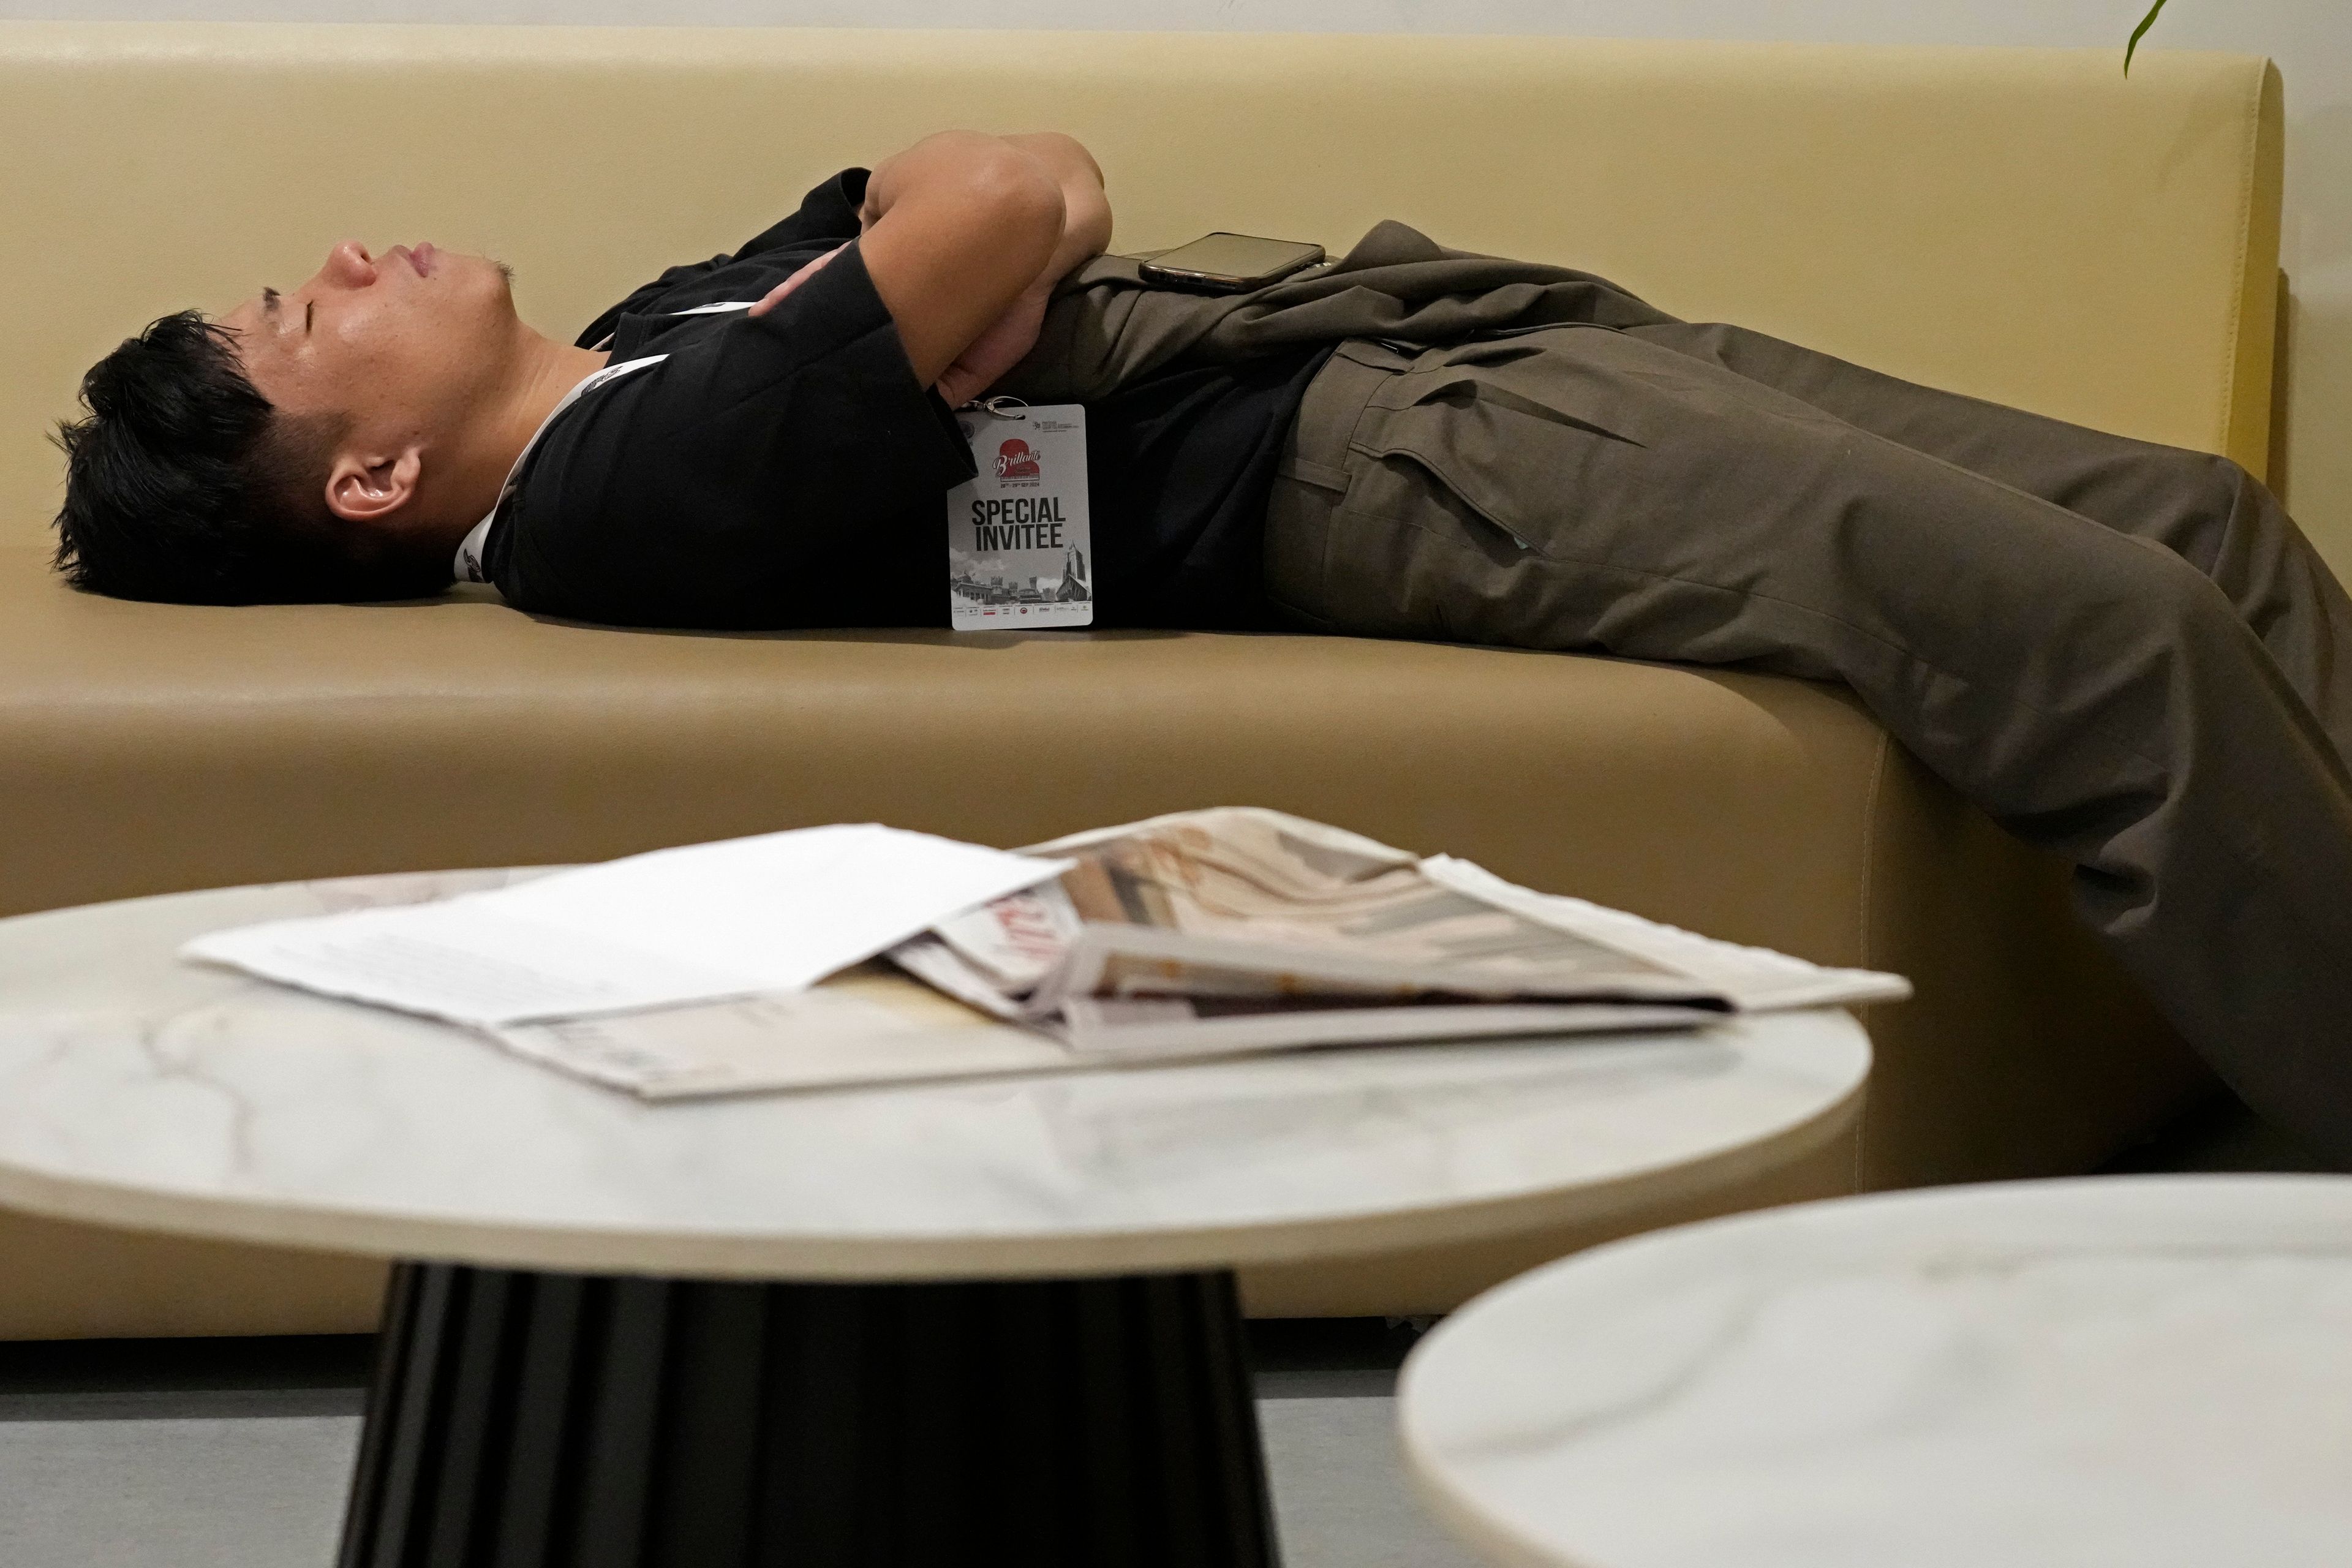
(1019, 550)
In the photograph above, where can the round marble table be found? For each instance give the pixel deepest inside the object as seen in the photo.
(888, 1325)
(2111, 1372)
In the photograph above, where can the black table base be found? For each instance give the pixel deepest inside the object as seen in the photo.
(530, 1420)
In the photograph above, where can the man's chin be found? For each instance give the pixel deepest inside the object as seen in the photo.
(504, 286)
(487, 282)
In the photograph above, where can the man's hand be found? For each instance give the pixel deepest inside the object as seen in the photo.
(775, 295)
(1005, 342)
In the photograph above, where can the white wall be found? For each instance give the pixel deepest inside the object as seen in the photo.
(2311, 40)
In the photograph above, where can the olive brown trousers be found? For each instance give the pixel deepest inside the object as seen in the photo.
(2124, 652)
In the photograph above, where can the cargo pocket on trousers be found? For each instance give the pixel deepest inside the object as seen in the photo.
(1507, 461)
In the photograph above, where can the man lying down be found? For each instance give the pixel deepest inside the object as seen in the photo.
(2124, 652)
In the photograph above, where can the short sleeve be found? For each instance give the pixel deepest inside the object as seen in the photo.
(823, 384)
(836, 311)
(826, 217)
(829, 214)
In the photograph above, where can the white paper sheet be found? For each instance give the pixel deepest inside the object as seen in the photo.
(775, 912)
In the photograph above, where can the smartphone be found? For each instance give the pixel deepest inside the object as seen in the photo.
(1229, 263)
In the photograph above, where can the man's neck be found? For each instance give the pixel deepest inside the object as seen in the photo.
(544, 371)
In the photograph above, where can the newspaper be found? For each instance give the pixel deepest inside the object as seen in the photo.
(872, 1026)
(1244, 929)
(1200, 935)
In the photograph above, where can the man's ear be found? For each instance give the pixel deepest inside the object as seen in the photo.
(374, 486)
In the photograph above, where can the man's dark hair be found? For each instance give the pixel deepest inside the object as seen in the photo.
(184, 483)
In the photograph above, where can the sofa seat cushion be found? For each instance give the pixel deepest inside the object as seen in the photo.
(159, 746)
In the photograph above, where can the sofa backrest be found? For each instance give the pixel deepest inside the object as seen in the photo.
(2025, 226)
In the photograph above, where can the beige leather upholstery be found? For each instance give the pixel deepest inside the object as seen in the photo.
(2022, 226)
(459, 733)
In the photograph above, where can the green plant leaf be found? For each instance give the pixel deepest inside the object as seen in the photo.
(2140, 32)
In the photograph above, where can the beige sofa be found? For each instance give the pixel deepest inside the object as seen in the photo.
(2025, 225)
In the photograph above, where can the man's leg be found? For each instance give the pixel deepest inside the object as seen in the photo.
(1586, 489)
(2206, 509)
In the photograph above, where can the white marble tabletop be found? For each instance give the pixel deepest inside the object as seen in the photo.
(139, 1089)
(2110, 1373)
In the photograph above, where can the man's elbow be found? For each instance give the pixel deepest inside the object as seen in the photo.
(1024, 202)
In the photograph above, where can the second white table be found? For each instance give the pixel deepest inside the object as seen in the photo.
(2111, 1372)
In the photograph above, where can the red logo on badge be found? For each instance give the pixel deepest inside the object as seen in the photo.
(1015, 460)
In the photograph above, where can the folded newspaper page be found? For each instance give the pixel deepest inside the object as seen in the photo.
(867, 1025)
(873, 1026)
(1241, 929)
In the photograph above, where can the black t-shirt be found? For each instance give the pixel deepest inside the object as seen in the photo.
(790, 470)
(1179, 467)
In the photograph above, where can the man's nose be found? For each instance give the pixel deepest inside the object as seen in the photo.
(349, 265)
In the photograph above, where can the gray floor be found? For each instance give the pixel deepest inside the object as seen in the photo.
(236, 1455)
(174, 1457)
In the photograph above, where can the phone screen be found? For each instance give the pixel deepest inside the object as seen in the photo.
(1237, 256)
